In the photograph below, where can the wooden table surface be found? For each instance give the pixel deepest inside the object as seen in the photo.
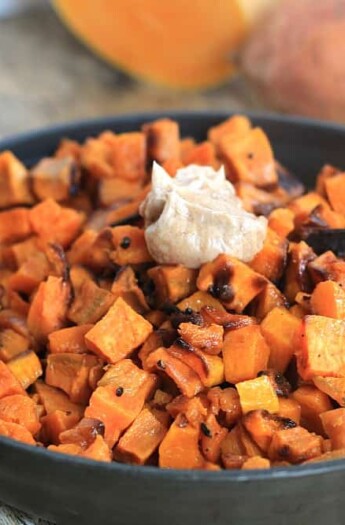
(48, 77)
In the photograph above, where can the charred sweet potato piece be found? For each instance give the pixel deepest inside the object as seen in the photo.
(186, 379)
(199, 300)
(129, 246)
(259, 201)
(172, 283)
(56, 178)
(268, 299)
(230, 281)
(180, 447)
(233, 448)
(158, 338)
(225, 319)
(9, 385)
(162, 139)
(126, 286)
(120, 397)
(257, 394)
(294, 445)
(90, 303)
(280, 384)
(304, 205)
(48, 308)
(333, 422)
(297, 278)
(327, 267)
(17, 432)
(20, 409)
(194, 409)
(279, 328)
(334, 387)
(71, 373)
(14, 184)
(235, 126)
(212, 435)
(271, 260)
(313, 403)
(245, 353)
(143, 437)
(261, 425)
(14, 225)
(12, 344)
(118, 333)
(320, 347)
(26, 367)
(225, 403)
(248, 158)
(83, 433)
(328, 299)
(56, 422)
(208, 338)
(53, 399)
(335, 191)
(53, 223)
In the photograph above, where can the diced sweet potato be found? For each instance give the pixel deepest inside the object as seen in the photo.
(98, 450)
(90, 303)
(52, 223)
(225, 403)
(320, 347)
(297, 278)
(327, 267)
(120, 397)
(128, 156)
(230, 281)
(281, 220)
(271, 260)
(83, 433)
(17, 432)
(118, 333)
(248, 157)
(203, 154)
(9, 385)
(279, 328)
(328, 299)
(212, 435)
(56, 178)
(111, 191)
(262, 425)
(207, 338)
(180, 447)
(54, 399)
(185, 378)
(172, 283)
(256, 462)
(334, 387)
(257, 394)
(290, 408)
(333, 422)
(69, 449)
(14, 183)
(20, 409)
(143, 437)
(313, 402)
(30, 274)
(199, 300)
(294, 445)
(56, 422)
(304, 205)
(14, 225)
(335, 191)
(245, 353)
(26, 367)
(48, 308)
(126, 286)
(235, 126)
(16, 254)
(129, 246)
(194, 409)
(12, 344)
(69, 340)
(163, 140)
(268, 299)
(71, 373)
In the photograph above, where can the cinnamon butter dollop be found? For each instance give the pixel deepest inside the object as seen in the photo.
(195, 216)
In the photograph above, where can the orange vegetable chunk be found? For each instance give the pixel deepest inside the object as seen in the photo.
(335, 190)
(294, 445)
(17, 432)
(313, 402)
(69, 340)
(9, 385)
(333, 422)
(257, 394)
(14, 225)
(26, 367)
(118, 333)
(328, 299)
(14, 181)
(20, 409)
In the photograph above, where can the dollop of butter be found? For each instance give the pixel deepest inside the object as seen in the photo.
(195, 216)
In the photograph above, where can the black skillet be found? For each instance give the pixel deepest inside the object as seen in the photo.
(71, 490)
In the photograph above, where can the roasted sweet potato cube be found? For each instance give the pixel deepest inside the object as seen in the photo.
(71, 373)
(14, 225)
(26, 367)
(271, 260)
(17, 432)
(212, 435)
(297, 278)
(245, 353)
(14, 183)
(199, 300)
(230, 281)
(327, 267)
(90, 303)
(56, 422)
(98, 450)
(128, 156)
(143, 437)
(261, 425)
(257, 200)
(30, 274)
(16, 254)
(334, 387)
(203, 154)
(328, 299)
(249, 158)
(54, 399)
(289, 408)
(129, 246)
(320, 347)
(113, 190)
(69, 340)
(126, 286)
(162, 139)
(326, 171)
(207, 338)
(313, 402)
(68, 148)
(180, 447)
(279, 328)
(304, 205)
(83, 433)
(225, 403)
(257, 394)
(235, 126)
(194, 409)
(95, 156)
(172, 283)
(335, 191)
(281, 220)
(12, 344)
(48, 308)
(9, 385)
(120, 397)
(294, 445)
(333, 422)
(20, 409)
(118, 333)
(52, 223)
(56, 178)
(256, 462)
(268, 299)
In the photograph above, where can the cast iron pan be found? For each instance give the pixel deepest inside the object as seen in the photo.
(71, 490)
